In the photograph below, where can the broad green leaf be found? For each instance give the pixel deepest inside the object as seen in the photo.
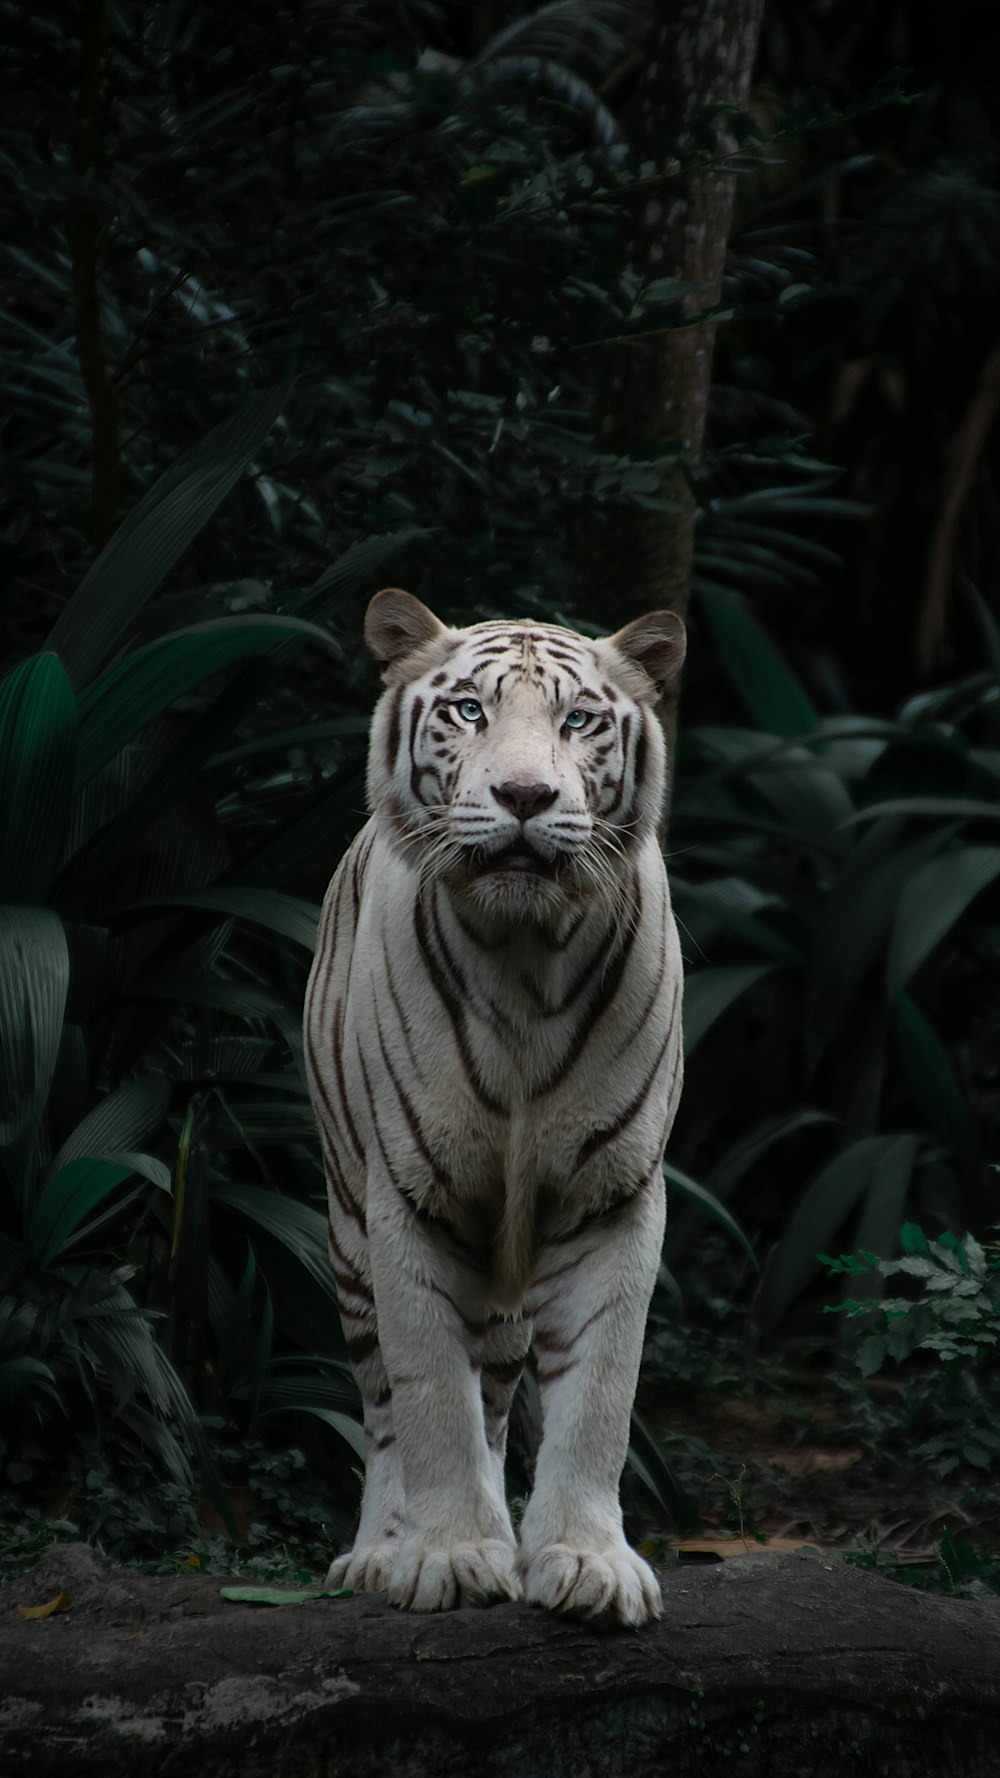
(239, 998)
(755, 931)
(34, 981)
(297, 1226)
(707, 1201)
(882, 1213)
(727, 1174)
(930, 904)
(318, 837)
(761, 677)
(128, 1116)
(23, 1372)
(155, 535)
(952, 808)
(131, 692)
(63, 1204)
(822, 1208)
(854, 922)
(346, 1428)
(285, 914)
(37, 756)
(708, 993)
(350, 571)
(932, 1079)
(647, 1461)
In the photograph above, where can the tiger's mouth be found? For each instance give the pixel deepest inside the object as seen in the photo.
(519, 859)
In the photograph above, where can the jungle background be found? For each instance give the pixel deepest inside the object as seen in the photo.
(300, 299)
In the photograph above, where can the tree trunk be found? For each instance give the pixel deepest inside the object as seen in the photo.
(765, 1664)
(654, 389)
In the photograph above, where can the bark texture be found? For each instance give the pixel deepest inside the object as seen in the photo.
(766, 1664)
(654, 389)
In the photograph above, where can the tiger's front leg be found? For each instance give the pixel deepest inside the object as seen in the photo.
(458, 1544)
(589, 1298)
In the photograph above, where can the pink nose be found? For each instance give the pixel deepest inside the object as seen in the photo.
(524, 800)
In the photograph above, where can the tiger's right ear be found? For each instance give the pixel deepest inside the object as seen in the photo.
(397, 625)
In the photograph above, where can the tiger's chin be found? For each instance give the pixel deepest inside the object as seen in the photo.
(517, 886)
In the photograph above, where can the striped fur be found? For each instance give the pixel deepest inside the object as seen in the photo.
(494, 1047)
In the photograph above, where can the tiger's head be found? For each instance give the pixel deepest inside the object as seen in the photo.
(519, 762)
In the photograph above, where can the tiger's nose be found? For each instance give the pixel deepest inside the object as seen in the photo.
(524, 800)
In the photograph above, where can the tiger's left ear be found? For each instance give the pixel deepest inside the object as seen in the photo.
(657, 644)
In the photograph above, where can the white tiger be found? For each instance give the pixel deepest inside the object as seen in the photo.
(494, 1046)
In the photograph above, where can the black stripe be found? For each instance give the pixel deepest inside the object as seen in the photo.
(507, 1372)
(361, 1346)
(395, 718)
(600, 1138)
(338, 1064)
(438, 1171)
(452, 1006)
(416, 711)
(338, 1185)
(597, 1007)
(400, 1011)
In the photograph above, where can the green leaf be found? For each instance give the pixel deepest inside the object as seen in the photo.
(65, 1201)
(281, 1595)
(760, 675)
(155, 535)
(131, 692)
(711, 992)
(346, 1428)
(34, 981)
(285, 914)
(727, 1174)
(297, 1226)
(823, 1207)
(854, 920)
(952, 808)
(647, 1461)
(932, 1078)
(23, 1372)
(930, 904)
(37, 754)
(882, 1213)
(124, 1119)
(350, 571)
(707, 1201)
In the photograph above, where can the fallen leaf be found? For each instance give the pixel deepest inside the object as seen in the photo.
(280, 1595)
(814, 1459)
(191, 1562)
(722, 1549)
(61, 1602)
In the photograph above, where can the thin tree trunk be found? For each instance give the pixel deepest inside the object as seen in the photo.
(653, 396)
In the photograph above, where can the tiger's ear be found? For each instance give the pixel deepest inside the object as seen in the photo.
(397, 624)
(657, 644)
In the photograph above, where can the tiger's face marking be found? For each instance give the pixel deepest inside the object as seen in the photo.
(521, 762)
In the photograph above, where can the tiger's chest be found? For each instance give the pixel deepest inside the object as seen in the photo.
(476, 1072)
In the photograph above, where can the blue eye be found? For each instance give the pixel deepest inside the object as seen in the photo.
(575, 719)
(470, 709)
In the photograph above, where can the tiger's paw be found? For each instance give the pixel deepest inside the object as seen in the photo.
(365, 1569)
(613, 1583)
(438, 1577)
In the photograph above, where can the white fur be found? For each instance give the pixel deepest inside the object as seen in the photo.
(468, 1091)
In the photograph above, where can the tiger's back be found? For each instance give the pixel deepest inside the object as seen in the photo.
(493, 1036)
